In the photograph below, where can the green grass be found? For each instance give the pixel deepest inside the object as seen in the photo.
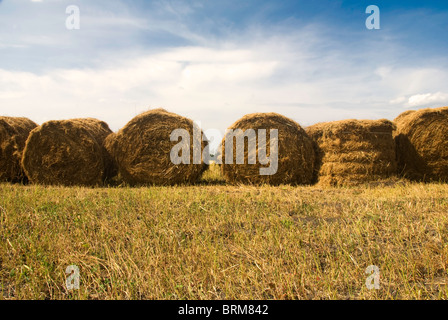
(212, 241)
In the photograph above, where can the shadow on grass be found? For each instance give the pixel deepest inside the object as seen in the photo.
(210, 183)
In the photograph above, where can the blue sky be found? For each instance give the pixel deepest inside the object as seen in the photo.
(215, 61)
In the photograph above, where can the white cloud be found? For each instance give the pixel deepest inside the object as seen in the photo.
(12, 45)
(437, 99)
(216, 86)
(179, 80)
(303, 73)
(399, 100)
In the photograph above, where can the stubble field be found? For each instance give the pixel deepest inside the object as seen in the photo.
(212, 241)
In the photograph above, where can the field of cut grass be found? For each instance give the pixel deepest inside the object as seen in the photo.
(212, 241)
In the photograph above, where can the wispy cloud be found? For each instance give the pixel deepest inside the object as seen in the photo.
(218, 85)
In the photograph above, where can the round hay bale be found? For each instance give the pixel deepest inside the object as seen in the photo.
(68, 152)
(295, 151)
(142, 150)
(13, 134)
(351, 152)
(403, 115)
(422, 144)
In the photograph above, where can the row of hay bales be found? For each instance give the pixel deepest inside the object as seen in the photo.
(350, 152)
(86, 152)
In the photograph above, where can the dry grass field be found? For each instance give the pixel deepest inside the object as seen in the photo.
(212, 241)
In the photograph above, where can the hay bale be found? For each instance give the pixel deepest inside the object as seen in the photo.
(142, 150)
(295, 152)
(403, 115)
(68, 152)
(351, 152)
(422, 144)
(13, 134)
